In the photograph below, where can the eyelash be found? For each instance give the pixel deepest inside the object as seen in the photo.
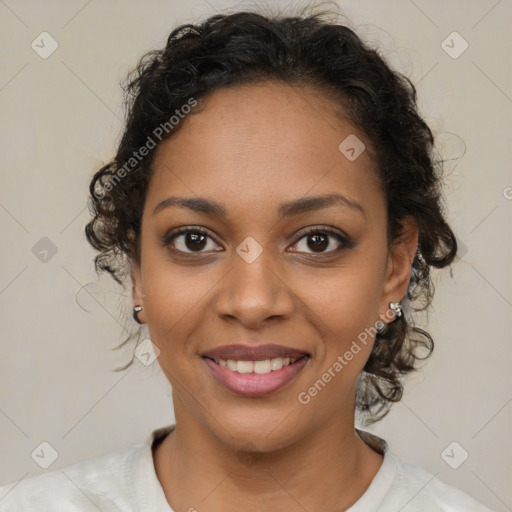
(344, 240)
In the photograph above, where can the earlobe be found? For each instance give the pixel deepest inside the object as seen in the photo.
(135, 274)
(137, 294)
(398, 272)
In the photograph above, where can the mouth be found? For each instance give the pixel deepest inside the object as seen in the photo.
(261, 367)
(255, 371)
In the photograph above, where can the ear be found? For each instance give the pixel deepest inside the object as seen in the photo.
(398, 272)
(137, 289)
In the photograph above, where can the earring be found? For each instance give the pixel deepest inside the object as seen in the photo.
(136, 311)
(396, 307)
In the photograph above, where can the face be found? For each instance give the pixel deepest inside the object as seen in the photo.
(286, 247)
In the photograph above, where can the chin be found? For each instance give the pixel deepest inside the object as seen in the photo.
(265, 429)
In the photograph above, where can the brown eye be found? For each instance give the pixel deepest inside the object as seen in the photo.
(318, 242)
(321, 241)
(188, 240)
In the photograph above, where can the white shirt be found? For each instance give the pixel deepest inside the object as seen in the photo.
(125, 481)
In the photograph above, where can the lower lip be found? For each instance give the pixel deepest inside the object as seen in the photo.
(254, 384)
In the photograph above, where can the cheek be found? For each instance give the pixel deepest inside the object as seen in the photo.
(347, 310)
(174, 303)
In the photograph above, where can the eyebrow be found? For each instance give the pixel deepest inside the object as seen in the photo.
(291, 208)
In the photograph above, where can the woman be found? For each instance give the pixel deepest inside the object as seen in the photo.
(276, 209)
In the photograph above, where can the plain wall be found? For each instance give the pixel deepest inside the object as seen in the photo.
(61, 117)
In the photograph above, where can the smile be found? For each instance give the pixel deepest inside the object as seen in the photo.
(259, 367)
(255, 378)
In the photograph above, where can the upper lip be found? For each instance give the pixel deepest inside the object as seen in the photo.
(242, 352)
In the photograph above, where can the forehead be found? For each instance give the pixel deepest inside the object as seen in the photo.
(258, 142)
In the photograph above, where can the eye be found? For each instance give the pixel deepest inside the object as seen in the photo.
(191, 239)
(320, 239)
(188, 240)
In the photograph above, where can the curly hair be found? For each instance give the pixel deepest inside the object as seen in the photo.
(308, 49)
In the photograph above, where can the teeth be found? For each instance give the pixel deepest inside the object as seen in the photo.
(244, 366)
(276, 364)
(262, 366)
(259, 367)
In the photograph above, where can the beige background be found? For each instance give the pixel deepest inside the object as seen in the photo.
(60, 119)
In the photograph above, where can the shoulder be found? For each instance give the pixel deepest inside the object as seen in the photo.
(403, 487)
(420, 490)
(102, 482)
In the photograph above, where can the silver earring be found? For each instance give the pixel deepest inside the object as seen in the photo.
(396, 307)
(136, 311)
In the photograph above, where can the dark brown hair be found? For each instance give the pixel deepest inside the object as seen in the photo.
(247, 47)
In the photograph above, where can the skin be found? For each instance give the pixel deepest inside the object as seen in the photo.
(252, 148)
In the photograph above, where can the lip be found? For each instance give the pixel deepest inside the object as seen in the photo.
(242, 352)
(252, 384)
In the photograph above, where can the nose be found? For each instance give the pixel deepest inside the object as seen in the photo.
(253, 293)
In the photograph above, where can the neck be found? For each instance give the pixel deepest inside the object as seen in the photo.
(329, 469)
